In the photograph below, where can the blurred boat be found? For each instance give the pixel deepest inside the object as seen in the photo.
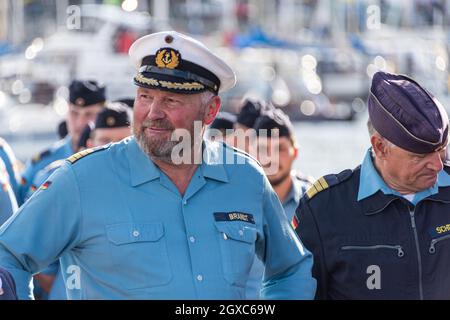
(28, 128)
(421, 54)
(96, 50)
(312, 83)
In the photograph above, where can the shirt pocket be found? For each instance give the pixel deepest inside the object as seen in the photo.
(237, 249)
(437, 242)
(396, 248)
(374, 270)
(139, 251)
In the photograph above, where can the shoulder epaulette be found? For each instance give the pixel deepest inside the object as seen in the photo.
(40, 156)
(77, 156)
(326, 182)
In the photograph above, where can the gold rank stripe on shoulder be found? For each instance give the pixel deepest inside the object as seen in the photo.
(317, 187)
(77, 156)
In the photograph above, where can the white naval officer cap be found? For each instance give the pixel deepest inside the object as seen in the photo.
(172, 61)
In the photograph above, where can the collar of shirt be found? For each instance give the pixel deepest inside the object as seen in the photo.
(295, 192)
(292, 200)
(142, 169)
(370, 182)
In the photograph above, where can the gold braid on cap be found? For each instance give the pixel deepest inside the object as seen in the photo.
(140, 78)
(168, 84)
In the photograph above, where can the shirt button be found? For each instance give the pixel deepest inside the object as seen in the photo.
(200, 277)
(192, 239)
(185, 202)
(136, 233)
(225, 236)
(241, 233)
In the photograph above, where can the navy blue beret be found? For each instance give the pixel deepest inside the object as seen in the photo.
(114, 115)
(274, 119)
(406, 114)
(128, 101)
(223, 120)
(86, 93)
(250, 111)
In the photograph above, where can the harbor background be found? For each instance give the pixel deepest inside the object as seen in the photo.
(312, 58)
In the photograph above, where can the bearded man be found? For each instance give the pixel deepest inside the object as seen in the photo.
(143, 219)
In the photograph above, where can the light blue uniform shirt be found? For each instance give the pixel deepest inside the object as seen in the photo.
(8, 203)
(123, 231)
(60, 150)
(42, 175)
(58, 289)
(10, 161)
(290, 204)
(370, 182)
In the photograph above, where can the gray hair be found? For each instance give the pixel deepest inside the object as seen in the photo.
(374, 132)
(206, 96)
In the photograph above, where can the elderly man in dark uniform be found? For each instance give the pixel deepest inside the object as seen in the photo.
(382, 230)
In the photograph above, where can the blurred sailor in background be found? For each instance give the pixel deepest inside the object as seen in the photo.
(86, 99)
(277, 162)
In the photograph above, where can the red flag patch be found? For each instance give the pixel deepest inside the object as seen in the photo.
(46, 185)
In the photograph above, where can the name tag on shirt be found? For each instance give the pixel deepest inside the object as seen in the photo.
(234, 216)
(440, 231)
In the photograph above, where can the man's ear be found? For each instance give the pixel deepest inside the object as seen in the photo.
(211, 110)
(295, 152)
(379, 146)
